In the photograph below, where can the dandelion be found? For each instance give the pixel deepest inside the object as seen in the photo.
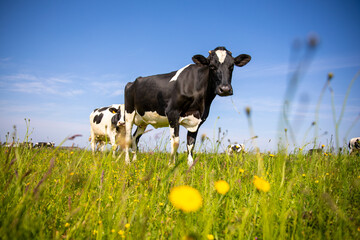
(67, 225)
(121, 232)
(95, 232)
(248, 111)
(112, 230)
(261, 184)
(241, 170)
(71, 153)
(127, 226)
(185, 198)
(161, 204)
(322, 146)
(330, 76)
(203, 137)
(111, 198)
(222, 187)
(189, 237)
(304, 175)
(271, 155)
(100, 222)
(210, 237)
(72, 173)
(316, 181)
(327, 174)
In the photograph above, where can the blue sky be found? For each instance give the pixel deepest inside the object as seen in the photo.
(61, 59)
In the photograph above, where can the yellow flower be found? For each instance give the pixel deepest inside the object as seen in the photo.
(95, 232)
(210, 237)
(127, 226)
(303, 175)
(241, 170)
(121, 232)
(222, 187)
(67, 225)
(185, 198)
(161, 204)
(189, 237)
(112, 230)
(100, 222)
(261, 184)
(71, 173)
(271, 155)
(323, 146)
(330, 76)
(111, 198)
(316, 181)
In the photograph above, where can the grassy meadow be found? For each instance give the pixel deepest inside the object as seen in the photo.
(71, 194)
(54, 193)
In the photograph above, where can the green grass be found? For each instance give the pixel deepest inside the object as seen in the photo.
(71, 194)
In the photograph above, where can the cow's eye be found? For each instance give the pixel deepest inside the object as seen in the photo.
(213, 67)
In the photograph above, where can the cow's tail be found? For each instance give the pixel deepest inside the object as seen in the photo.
(129, 97)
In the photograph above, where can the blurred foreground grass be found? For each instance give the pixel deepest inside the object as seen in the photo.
(70, 194)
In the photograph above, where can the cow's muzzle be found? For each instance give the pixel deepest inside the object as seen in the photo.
(225, 90)
(121, 124)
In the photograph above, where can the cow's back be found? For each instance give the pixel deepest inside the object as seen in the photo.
(100, 121)
(149, 94)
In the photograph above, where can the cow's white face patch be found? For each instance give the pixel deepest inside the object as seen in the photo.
(221, 54)
(174, 78)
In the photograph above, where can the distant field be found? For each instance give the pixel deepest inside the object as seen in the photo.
(70, 194)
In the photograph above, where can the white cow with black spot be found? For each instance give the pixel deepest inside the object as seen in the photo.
(354, 145)
(235, 148)
(107, 126)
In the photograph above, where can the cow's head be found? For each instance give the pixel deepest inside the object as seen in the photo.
(221, 64)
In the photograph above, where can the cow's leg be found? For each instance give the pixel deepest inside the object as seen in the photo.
(174, 139)
(113, 142)
(129, 121)
(174, 134)
(102, 145)
(135, 140)
(191, 139)
(93, 142)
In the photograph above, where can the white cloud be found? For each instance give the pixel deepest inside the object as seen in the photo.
(106, 87)
(29, 83)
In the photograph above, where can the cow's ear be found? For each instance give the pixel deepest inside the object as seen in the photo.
(113, 110)
(242, 60)
(200, 60)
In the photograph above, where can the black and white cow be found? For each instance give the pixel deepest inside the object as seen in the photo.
(107, 125)
(181, 97)
(354, 145)
(44, 144)
(235, 148)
